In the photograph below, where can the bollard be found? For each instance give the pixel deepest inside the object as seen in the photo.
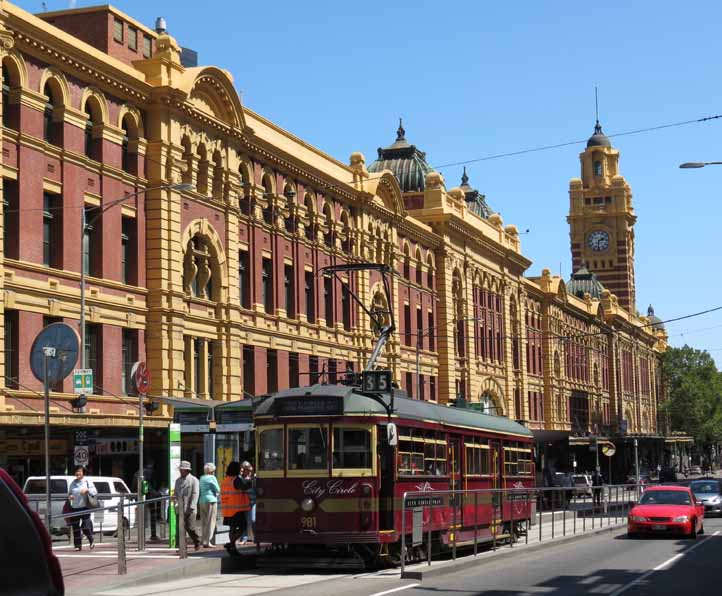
(541, 509)
(476, 520)
(527, 514)
(428, 537)
(122, 562)
(403, 533)
(453, 495)
(553, 507)
(140, 522)
(180, 513)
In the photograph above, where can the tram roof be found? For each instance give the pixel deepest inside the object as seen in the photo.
(414, 409)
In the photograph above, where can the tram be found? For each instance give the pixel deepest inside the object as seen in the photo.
(334, 461)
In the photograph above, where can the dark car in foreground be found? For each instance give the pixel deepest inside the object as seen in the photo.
(666, 510)
(709, 491)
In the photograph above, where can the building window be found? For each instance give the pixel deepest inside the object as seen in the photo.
(249, 379)
(328, 300)
(430, 278)
(132, 38)
(196, 366)
(272, 371)
(313, 370)
(267, 286)
(129, 355)
(244, 279)
(432, 388)
(10, 319)
(52, 231)
(210, 367)
(332, 371)
(10, 111)
(147, 47)
(410, 384)
(129, 161)
(419, 273)
(293, 371)
(52, 131)
(407, 267)
(310, 297)
(118, 30)
(91, 249)
(407, 324)
(432, 333)
(10, 219)
(597, 168)
(419, 328)
(346, 306)
(128, 252)
(290, 290)
(94, 354)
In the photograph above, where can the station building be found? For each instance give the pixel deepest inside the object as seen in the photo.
(218, 288)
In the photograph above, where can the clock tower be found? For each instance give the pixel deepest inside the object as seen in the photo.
(601, 219)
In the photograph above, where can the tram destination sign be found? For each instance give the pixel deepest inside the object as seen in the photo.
(423, 501)
(323, 405)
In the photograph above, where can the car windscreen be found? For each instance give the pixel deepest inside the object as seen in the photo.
(705, 487)
(37, 486)
(665, 497)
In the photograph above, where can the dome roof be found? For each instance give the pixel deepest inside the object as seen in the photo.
(475, 201)
(583, 282)
(598, 139)
(406, 162)
(655, 321)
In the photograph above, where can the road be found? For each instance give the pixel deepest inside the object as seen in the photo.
(603, 564)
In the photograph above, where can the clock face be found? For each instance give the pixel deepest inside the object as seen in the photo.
(598, 240)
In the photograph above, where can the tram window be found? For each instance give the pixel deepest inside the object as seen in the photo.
(351, 448)
(477, 457)
(271, 450)
(421, 454)
(525, 466)
(307, 449)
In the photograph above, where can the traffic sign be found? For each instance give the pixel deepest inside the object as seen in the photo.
(141, 377)
(83, 381)
(609, 449)
(82, 455)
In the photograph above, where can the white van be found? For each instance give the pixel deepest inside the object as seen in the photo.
(103, 521)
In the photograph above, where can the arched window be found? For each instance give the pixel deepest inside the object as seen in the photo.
(218, 176)
(459, 336)
(430, 271)
(597, 168)
(328, 231)
(346, 233)
(52, 131)
(130, 145)
(187, 173)
(487, 404)
(267, 200)
(418, 267)
(245, 198)
(310, 212)
(93, 144)
(11, 111)
(200, 270)
(290, 194)
(407, 263)
(202, 178)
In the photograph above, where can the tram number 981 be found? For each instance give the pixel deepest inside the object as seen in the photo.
(308, 522)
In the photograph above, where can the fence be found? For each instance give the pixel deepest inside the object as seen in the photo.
(556, 511)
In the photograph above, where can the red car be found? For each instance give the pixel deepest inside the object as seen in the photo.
(666, 510)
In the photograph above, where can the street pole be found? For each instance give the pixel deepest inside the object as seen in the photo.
(419, 340)
(140, 518)
(636, 462)
(48, 352)
(82, 287)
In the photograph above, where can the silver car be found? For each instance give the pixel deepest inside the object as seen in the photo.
(710, 493)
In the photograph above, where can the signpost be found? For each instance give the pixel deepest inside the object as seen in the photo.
(609, 449)
(174, 459)
(83, 381)
(141, 377)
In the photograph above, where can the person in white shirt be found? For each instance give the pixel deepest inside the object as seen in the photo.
(78, 495)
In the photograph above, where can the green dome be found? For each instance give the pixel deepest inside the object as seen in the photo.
(406, 162)
(584, 282)
(475, 201)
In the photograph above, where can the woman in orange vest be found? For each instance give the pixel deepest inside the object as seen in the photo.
(234, 504)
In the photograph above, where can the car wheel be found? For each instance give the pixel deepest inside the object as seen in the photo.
(693, 532)
(632, 535)
(701, 529)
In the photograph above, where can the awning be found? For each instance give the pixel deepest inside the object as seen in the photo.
(549, 436)
(189, 403)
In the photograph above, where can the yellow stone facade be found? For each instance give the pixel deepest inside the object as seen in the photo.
(264, 195)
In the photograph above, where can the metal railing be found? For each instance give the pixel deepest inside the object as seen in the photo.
(507, 515)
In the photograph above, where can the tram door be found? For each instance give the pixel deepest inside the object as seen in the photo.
(387, 460)
(455, 475)
(497, 481)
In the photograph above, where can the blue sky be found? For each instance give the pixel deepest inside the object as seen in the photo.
(473, 79)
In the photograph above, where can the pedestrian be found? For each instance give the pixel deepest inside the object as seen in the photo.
(247, 473)
(187, 489)
(597, 483)
(80, 494)
(208, 503)
(234, 504)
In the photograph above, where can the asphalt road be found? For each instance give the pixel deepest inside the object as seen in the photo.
(607, 564)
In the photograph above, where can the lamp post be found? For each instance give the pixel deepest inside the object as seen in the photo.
(84, 226)
(698, 164)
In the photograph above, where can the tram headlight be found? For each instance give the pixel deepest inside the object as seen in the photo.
(308, 504)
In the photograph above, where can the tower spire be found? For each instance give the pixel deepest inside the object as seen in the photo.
(400, 132)
(464, 178)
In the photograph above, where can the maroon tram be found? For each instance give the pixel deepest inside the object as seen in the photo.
(333, 463)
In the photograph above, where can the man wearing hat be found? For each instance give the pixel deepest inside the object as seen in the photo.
(187, 489)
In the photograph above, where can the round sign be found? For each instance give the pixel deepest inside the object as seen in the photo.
(141, 376)
(609, 450)
(82, 455)
(65, 345)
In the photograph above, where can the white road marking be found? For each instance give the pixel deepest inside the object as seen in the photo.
(395, 590)
(659, 567)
